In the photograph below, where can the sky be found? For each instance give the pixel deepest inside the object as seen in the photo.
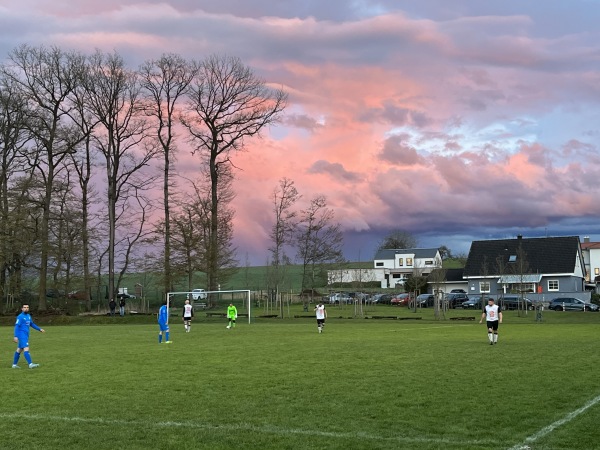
(452, 120)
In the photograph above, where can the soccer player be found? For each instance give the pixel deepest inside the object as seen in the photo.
(321, 316)
(188, 313)
(163, 323)
(493, 316)
(231, 315)
(24, 322)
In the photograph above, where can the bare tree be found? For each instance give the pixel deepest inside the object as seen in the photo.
(165, 81)
(319, 240)
(13, 137)
(398, 239)
(113, 97)
(46, 78)
(228, 104)
(284, 198)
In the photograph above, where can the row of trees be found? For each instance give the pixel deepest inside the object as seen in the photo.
(81, 138)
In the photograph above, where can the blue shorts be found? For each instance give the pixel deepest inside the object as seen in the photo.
(163, 327)
(23, 341)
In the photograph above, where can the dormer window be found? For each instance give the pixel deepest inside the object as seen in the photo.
(409, 261)
(512, 258)
(400, 261)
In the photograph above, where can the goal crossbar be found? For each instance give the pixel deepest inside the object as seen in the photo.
(206, 294)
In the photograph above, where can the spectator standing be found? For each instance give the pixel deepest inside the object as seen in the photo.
(112, 305)
(122, 307)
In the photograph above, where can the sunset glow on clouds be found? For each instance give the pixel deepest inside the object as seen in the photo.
(452, 120)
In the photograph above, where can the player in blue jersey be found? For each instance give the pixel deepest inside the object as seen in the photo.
(163, 323)
(22, 325)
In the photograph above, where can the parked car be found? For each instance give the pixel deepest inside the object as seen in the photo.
(424, 300)
(401, 299)
(514, 302)
(340, 297)
(474, 302)
(125, 296)
(456, 299)
(385, 299)
(198, 294)
(458, 291)
(571, 304)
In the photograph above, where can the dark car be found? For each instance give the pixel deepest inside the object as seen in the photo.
(571, 304)
(474, 302)
(424, 300)
(385, 299)
(458, 291)
(509, 302)
(125, 296)
(456, 299)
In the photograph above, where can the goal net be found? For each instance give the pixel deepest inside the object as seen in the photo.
(213, 303)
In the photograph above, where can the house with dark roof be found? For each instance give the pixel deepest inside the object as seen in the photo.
(399, 264)
(549, 265)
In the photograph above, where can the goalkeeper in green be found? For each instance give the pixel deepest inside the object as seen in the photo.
(231, 315)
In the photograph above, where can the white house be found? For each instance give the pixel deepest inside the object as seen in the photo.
(400, 264)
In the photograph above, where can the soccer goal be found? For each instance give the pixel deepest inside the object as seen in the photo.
(214, 303)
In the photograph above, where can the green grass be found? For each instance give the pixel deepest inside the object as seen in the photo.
(278, 384)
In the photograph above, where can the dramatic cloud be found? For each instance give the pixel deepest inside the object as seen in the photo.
(452, 120)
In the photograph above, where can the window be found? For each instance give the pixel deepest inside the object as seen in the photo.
(596, 271)
(400, 261)
(526, 287)
(429, 262)
(553, 285)
(379, 264)
(409, 261)
(396, 275)
(484, 286)
(512, 258)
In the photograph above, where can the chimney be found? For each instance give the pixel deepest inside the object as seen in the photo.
(519, 236)
(586, 239)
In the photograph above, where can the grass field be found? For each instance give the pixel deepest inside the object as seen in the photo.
(273, 384)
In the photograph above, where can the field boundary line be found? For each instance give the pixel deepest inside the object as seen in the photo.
(550, 428)
(248, 427)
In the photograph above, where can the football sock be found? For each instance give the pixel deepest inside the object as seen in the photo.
(159, 338)
(16, 358)
(167, 336)
(491, 337)
(27, 357)
(495, 338)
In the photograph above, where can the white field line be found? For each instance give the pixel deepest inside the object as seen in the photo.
(228, 427)
(550, 428)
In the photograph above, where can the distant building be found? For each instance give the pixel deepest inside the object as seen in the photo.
(550, 265)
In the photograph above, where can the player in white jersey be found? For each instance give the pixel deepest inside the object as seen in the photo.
(493, 316)
(188, 313)
(321, 316)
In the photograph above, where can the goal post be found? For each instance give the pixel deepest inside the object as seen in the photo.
(214, 300)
